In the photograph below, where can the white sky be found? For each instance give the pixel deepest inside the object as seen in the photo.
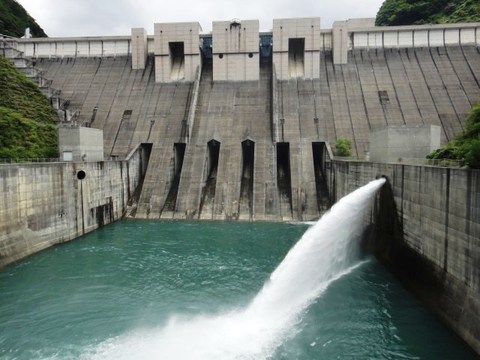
(117, 17)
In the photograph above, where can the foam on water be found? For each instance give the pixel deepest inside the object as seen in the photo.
(327, 251)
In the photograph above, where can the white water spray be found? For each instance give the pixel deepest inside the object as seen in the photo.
(327, 251)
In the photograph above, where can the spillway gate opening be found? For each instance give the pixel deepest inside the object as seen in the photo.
(319, 154)
(176, 171)
(296, 55)
(177, 60)
(245, 205)
(284, 182)
(208, 190)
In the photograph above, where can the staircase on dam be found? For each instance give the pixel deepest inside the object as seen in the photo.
(26, 66)
(255, 150)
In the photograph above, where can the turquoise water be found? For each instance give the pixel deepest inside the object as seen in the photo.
(128, 280)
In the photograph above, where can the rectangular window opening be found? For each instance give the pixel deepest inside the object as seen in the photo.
(296, 57)
(383, 96)
(177, 60)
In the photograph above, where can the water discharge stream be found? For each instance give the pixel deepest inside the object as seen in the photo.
(327, 251)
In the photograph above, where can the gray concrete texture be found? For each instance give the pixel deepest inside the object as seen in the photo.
(439, 213)
(84, 144)
(42, 205)
(400, 143)
(375, 89)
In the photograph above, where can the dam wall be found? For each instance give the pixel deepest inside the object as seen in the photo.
(239, 121)
(45, 204)
(429, 221)
(375, 89)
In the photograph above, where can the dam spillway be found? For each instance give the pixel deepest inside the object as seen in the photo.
(288, 93)
(375, 89)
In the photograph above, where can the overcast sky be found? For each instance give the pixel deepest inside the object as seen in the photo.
(117, 17)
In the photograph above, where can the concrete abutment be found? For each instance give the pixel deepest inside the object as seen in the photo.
(426, 232)
(42, 205)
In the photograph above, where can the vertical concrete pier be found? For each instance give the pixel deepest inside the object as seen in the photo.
(177, 52)
(296, 48)
(235, 50)
(139, 48)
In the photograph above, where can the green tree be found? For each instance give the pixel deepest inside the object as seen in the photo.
(409, 12)
(466, 146)
(14, 19)
(343, 147)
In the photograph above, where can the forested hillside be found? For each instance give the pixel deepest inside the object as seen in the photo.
(14, 19)
(409, 12)
(27, 120)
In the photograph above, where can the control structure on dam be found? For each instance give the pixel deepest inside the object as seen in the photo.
(239, 121)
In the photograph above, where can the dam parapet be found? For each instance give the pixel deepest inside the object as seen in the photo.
(345, 36)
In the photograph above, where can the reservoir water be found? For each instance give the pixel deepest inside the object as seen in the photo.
(219, 291)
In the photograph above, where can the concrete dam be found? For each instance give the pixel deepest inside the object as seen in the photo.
(239, 121)
(238, 124)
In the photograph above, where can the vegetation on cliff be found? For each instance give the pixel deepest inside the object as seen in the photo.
(466, 146)
(14, 19)
(409, 12)
(343, 147)
(27, 120)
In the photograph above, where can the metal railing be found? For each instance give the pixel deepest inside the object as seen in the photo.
(411, 161)
(27, 160)
(7, 42)
(434, 162)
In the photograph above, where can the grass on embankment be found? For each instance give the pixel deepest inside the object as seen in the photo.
(27, 119)
(466, 146)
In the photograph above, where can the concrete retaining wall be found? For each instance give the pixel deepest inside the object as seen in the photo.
(46, 204)
(433, 240)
